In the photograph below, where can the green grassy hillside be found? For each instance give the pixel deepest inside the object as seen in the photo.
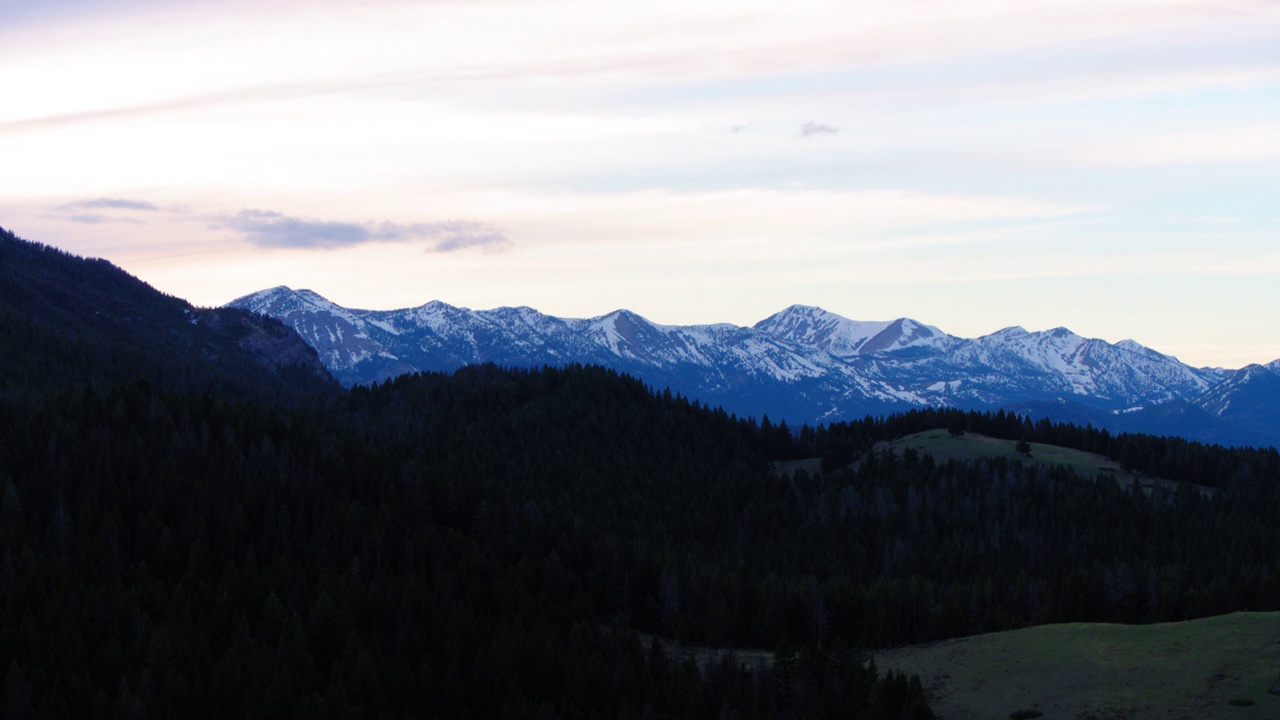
(1137, 672)
(971, 446)
(942, 447)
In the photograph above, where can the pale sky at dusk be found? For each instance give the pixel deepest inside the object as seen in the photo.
(1108, 165)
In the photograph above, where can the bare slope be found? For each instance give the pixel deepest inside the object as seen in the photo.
(1169, 671)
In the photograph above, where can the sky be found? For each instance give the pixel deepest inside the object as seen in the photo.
(1111, 166)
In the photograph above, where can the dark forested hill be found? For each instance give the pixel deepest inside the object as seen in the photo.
(474, 545)
(485, 542)
(68, 320)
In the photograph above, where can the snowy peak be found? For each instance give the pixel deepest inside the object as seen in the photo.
(342, 337)
(1119, 373)
(624, 321)
(1251, 392)
(904, 333)
(277, 297)
(1047, 348)
(282, 300)
(628, 335)
(843, 337)
(1251, 373)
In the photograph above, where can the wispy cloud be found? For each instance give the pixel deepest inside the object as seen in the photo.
(270, 229)
(812, 128)
(461, 234)
(208, 100)
(103, 209)
(105, 203)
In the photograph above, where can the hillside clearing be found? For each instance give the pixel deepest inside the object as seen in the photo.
(1169, 671)
(969, 447)
(972, 446)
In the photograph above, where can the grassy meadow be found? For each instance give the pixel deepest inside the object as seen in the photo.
(972, 446)
(1075, 671)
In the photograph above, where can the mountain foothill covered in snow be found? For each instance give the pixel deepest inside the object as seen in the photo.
(807, 365)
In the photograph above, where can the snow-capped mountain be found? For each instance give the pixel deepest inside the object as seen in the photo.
(1123, 373)
(1248, 399)
(844, 338)
(1006, 366)
(803, 364)
(722, 364)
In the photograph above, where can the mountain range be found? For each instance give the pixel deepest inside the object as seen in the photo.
(90, 320)
(807, 365)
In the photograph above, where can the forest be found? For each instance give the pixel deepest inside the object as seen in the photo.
(489, 543)
(182, 539)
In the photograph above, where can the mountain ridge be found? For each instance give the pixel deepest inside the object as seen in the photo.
(802, 364)
(92, 321)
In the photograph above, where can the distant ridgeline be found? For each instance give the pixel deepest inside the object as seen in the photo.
(497, 542)
(807, 365)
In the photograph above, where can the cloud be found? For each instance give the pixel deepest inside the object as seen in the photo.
(812, 128)
(270, 229)
(111, 204)
(84, 211)
(462, 234)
